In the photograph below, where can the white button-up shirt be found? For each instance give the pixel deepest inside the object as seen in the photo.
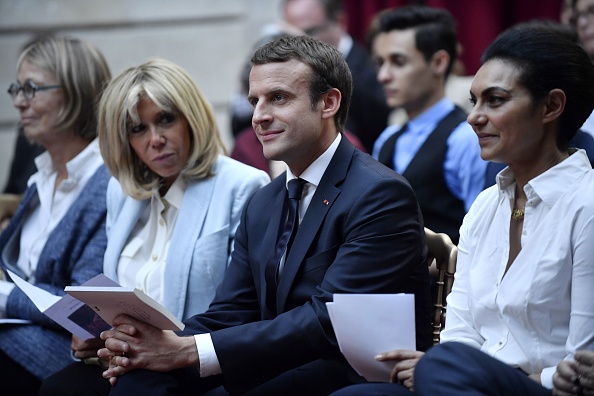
(142, 261)
(542, 310)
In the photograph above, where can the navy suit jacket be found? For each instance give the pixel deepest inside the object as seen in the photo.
(362, 233)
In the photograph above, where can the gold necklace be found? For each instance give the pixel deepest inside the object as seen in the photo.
(518, 214)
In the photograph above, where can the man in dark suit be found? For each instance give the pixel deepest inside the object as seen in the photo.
(360, 231)
(326, 20)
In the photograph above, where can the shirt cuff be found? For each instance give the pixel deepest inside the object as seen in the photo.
(546, 377)
(209, 363)
(5, 289)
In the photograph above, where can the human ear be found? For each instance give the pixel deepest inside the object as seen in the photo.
(331, 103)
(439, 62)
(554, 104)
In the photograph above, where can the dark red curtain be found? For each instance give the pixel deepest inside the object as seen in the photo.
(479, 21)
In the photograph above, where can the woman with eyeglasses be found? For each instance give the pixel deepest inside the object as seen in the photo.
(57, 235)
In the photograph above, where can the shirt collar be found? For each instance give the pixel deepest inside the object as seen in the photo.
(77, 167)
(551, 184)
(426, 119)
(44, 164)
(175, 195)
(313, 174)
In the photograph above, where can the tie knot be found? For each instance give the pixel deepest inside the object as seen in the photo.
(295, 188)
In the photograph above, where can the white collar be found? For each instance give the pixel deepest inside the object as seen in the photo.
(313, 174)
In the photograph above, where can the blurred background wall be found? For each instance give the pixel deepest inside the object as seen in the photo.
(210, 38)
(478, 21)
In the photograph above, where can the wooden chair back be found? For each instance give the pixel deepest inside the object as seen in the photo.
(442, 256)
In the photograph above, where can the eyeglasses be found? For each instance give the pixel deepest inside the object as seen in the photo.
(29, 88)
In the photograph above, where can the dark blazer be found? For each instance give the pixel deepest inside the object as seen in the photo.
(22, 165)
(72, 254)
(362, 233)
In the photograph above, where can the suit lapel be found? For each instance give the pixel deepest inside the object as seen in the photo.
(188, 228)
(320, 205)
(119, 234)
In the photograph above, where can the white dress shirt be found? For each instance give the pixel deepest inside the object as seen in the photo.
(54, 203)
(142, 261)
(209, 362)
(542, 310)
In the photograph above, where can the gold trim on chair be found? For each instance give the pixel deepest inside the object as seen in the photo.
(442, 256)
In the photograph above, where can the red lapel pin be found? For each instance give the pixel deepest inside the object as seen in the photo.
(326, 202)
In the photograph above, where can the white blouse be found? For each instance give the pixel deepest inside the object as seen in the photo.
(54, 202)
(142, 261)
(542, 310)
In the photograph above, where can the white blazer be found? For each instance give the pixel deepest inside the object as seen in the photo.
(203, 236)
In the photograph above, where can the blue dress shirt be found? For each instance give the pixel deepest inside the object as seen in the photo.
(464, 170)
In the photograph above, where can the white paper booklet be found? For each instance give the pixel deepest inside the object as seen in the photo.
(68, 312)
(109, 302)
(369, 324)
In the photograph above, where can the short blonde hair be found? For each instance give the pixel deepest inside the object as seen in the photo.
(172, 89)
(82, 72)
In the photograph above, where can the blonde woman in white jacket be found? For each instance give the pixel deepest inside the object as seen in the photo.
(173, 205)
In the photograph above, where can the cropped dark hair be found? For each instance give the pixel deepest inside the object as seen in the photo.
(564, 30)
(547, 60)
(329, 69)
(435, 29)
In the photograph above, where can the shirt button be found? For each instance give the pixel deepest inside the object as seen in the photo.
(154, 257)
(161, 222)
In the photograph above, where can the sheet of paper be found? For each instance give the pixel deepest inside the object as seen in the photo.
(369, 324)
(68, 312)
(41, 298)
